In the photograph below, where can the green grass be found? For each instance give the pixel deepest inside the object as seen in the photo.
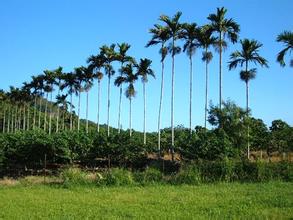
(272, 200)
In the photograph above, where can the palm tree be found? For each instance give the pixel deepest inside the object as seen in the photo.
(58, 82)
(62, 103)
(88, 80)
(122, 58)
(34, 85)
(248, 54)
(95, 64)
(206, 40)
(224, 27)
(190, 35)
(175, 31)
(128, 77)
(160, 35)
(144, 70)
(49, 77)
(287, 39)
(79, 74)
(70, 82)
(110, 56)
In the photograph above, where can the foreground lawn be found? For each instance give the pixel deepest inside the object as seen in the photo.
(231, 200)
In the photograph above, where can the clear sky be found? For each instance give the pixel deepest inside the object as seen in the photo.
(38, 35)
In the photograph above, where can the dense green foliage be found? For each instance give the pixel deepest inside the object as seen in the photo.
(213, 201)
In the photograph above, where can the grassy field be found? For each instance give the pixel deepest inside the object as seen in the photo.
(272, 200)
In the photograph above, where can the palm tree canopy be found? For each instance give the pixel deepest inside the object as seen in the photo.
(128, 76)
(249, 53)
(223, 25)
(121, 55)
(144, 69)
(175, 30)
(247, 75)
(160, 34)
(190, 34)
(287, 39)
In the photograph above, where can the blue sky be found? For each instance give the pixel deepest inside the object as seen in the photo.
(38, 35)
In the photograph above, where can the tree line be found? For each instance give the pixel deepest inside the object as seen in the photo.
(36, 97)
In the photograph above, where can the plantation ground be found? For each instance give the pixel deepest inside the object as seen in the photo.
(272, 200)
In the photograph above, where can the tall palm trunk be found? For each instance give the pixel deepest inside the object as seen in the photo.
(40, 110)
(130, 121)
(46, 109)
(172, 100)
(160, 106)
(78, 122)
(51, 112)
(120, 104)
(63, 119)
(247, 108)
(71, 124)
(28, 117)
(144, 114)
(190, 95)
(4, 118)
(87, 111)
(220, 72)
(16, 119)
(24, 118)
(35, 111)
(206, 95)
(99, 97)
(9, 118)
(58, 112)
(108, 113)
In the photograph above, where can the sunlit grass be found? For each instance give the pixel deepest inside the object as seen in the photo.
(231, 200)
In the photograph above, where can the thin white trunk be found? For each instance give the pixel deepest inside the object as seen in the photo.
(8, 120)
(172, 102)
(58, 112)
(160, 107)
(206, 96)
(50, 116)
(40, 110)
(99, 97)
(87, 111)
(24, 118)
(144, 114)
(71, 112)
(220, 73)
(190, 96)
(120, 104)
(28, 118)
(130, 129)
(4, 117)
(46, 109)
(108, 113)
(78, 122)
(35, 111)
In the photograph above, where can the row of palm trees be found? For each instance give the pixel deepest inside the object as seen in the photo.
(167, 34)
(215, 34)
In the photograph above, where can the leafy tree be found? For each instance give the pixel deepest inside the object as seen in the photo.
(223, 27)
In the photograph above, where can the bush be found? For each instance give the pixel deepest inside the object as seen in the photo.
(189, 174)
(116, 177)
(75, 176)
(149, 176)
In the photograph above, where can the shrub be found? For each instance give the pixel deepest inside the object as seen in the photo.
(75, 176)
(149, 176)
(189, 174)
(116, 177)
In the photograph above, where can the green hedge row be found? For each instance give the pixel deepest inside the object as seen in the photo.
(193, 174)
